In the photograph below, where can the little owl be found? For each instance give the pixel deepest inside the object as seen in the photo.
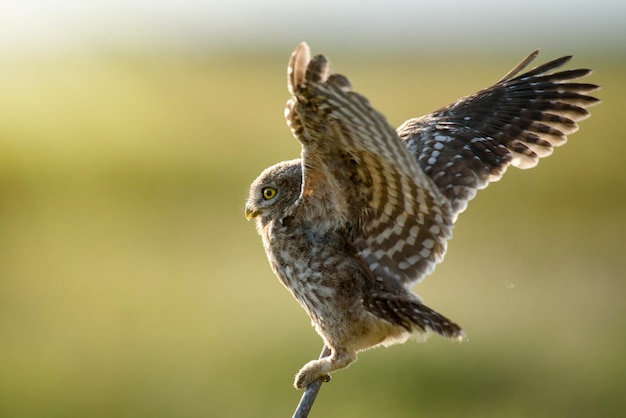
(366, 212)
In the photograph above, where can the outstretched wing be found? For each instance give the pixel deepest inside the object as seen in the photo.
(465, 146)
(358, 175)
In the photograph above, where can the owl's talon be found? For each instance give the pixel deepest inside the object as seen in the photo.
(304, 379)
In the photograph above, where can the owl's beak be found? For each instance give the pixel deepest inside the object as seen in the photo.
(251, 213)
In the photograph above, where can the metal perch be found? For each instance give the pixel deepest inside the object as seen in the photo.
(310, 393)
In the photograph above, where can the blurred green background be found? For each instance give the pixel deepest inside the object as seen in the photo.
(131, 284)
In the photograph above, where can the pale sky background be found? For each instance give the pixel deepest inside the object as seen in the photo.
(38, 27)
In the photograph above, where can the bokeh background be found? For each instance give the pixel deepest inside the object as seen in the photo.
(131, 284)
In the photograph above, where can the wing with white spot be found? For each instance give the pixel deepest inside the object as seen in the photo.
(465, 146)
(360, 178)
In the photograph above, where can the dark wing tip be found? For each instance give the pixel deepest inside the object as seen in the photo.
(547, 67)
(519, 67)
(550, 65)
(317, 70)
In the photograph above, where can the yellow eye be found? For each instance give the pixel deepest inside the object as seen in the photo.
(268, 193)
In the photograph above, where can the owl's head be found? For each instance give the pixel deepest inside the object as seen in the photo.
(275, 191)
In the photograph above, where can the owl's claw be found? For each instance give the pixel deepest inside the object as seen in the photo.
(304, 379)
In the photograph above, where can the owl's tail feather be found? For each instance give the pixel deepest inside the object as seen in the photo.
(411, 314)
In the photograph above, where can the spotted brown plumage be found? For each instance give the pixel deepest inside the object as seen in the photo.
(366, 212)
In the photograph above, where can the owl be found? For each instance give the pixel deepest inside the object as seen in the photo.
(366, 211)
